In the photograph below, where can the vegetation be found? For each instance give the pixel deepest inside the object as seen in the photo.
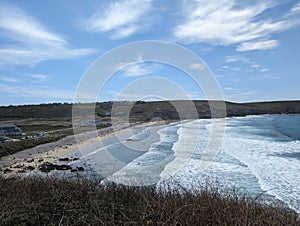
(14, 147)
(145, 110)
(53, 201)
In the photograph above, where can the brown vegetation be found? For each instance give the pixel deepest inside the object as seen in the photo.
(53, 201)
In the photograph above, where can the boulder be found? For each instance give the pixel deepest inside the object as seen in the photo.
(29, 168)
(63, 167)
(46, 167)
(64, 159)
(80, 168)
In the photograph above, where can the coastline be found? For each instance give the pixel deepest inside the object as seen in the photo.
(30, 160)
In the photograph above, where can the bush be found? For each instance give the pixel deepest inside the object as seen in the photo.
(60, 201)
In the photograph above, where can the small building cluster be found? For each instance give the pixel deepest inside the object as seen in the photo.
(9, 129)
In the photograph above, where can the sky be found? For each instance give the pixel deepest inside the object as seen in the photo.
(251, 47)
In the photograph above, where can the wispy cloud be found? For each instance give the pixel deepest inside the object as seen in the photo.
(122, 18)
(295, 9)
(226, 22)
(197, 67)
(260, 45)
(29, 42)
(137, 69)
(243, 60)
(38, 77)
(37, 91)
(8, 79)
(229, 89)
(264, 77)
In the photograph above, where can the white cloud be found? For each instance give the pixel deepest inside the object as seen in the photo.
(8, 79)
(295, 9)
(240, 59)
(264, 77)
(123, 18)
(37, 91)
(226, 22)
(243, 60)
(137, 69)
(264, 70)
(39, 77)
(197, 67)
(229, 89)
(228, 68)
(29, 42)
(255, 66)
(260, 45)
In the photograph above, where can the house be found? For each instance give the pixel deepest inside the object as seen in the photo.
(9, 129)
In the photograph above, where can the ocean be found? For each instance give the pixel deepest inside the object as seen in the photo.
(259, 156)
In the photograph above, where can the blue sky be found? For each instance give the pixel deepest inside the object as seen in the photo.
(252, 47)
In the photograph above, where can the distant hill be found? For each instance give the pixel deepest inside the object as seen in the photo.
(145, 111)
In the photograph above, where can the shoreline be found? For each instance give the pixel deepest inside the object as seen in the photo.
(30, 160)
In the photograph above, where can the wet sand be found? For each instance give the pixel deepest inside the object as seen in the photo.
(88, 147)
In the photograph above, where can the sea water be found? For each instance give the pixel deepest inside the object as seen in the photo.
(258, 155)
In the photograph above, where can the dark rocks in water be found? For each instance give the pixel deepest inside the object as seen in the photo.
(64, 159)
(30, 160)
(46, 167)
(7, 170)
(63, 167)
(21, 171)
(78, 169)
(29, 168)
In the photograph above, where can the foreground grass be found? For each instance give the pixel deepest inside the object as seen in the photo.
(53, 201)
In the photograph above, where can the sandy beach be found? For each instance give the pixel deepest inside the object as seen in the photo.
(78, 151)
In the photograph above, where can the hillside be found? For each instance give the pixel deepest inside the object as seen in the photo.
(146, 110)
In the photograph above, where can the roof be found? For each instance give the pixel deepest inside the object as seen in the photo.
(7, 125)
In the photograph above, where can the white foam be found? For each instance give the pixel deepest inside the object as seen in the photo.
(250, 159)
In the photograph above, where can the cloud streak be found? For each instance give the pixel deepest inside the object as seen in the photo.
(37, 91)
(225, 22)
(29, 42)
(137, 69)
(260, 45)
(122, 18)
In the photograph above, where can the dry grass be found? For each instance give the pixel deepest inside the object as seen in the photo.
(53, 201)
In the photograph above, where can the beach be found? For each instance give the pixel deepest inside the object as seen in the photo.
(74, 150)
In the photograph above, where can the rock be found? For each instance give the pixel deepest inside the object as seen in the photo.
(29, 168)
(46, 167)
(18, 166)
(64, 159)
(75, 159)
(63, 167)
(21, 171)
(30, 160)
(40, 159)
(7, 170)
(80, 168)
